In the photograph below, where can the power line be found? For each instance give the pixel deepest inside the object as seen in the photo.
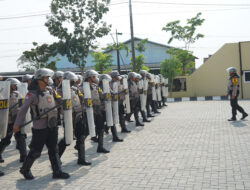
(120, 3)
(17, 28)
(9, 56)
(191, 4)
(176, 12)
(24, 16)
(42, 14)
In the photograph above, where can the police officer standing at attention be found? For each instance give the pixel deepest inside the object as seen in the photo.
(44, 130)
(27, 78)
(115, 78)
(149, 95)
(143, 76)
(233, 90)
(121, 99)
(91, 76)
(14, 108)
(57, 78)
(134, 97)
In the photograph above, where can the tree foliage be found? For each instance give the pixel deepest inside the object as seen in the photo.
(185, 33)
(171, 67)
(77, 24)
(115, 46)
(140, 59)
(187, 60)
(103, 62)
(38, 57)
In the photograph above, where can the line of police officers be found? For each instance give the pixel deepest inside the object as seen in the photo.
(102, 101)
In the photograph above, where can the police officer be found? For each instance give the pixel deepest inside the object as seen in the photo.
(149, 95)
(79, 120)
(57, 78)
(15, 103)
(134, 97)
(233, 90)
(44, 130)
(142, 77)
(116, 78)
(79, 81)
(121, 100)
(97, 95)
(163, 99)
(27, 78)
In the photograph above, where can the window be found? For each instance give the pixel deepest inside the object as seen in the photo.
(247, 76)
(179, 85)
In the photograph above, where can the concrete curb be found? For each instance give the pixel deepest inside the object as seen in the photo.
(204, 98)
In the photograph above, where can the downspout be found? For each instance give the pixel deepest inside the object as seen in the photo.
(241, 72)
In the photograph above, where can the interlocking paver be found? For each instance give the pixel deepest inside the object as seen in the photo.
(190, 145)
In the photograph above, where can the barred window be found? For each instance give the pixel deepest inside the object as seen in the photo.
(247, 76)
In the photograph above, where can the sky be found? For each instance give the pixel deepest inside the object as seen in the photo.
(226, 21)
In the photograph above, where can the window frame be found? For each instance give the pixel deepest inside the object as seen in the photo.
(245, 77)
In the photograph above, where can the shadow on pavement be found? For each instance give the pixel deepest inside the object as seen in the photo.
(239, 124)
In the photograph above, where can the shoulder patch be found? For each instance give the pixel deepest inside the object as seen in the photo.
(235, 81)
(99, 90)
(27, 95)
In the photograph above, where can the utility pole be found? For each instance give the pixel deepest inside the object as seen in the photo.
(132, 36)
(117, 51)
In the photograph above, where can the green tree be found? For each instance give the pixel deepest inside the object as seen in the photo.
(115, 46)
(38, 57)
(185, 33)
(140, 59)
(187, 61)
(103, 62)
(77, 24)
(171, 67)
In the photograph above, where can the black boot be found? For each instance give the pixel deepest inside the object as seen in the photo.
(144, 117)
(159, 105)
(1, 174)
(123, 126)
(81, 152)
(106, 129)
(150, 115)
(137, 122)
(25, 169)
(154, 107)
(61, 147)
(244, 115)
(115, 136)
(56, 166)
(22, 147)
(128, 117)
(1, 159)
(2, 148)
(232, 119)
(100, 148)
(94, 139)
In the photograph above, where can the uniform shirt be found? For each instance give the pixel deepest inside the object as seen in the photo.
(133, 90)
(112, 90)
(32, 99)
(150, 84)
(233, 86)
(121, 92)
(97, 98)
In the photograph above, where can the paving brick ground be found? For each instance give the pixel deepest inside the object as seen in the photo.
(190, 145)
